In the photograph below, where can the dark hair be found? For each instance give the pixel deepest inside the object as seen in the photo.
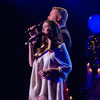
(54, 35)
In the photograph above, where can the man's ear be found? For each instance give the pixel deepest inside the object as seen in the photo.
(59, 17)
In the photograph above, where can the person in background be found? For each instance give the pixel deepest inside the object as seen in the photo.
(50, 62)
(60, 16)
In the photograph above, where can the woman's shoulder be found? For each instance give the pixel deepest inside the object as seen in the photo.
(61, 49)
(62, 45)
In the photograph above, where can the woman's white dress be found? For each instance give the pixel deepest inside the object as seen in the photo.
(46, 88)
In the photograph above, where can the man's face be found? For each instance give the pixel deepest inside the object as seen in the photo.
(53, 15)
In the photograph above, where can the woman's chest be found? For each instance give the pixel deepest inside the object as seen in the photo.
(47, 60)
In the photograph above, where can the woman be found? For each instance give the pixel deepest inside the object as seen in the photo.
(50, 64)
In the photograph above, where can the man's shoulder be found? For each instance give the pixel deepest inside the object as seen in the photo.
(64, 30)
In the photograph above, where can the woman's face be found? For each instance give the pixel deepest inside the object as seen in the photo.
(46, 28)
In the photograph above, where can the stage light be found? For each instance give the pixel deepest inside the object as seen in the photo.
(94, 23)
(70, 98)
(88, 64)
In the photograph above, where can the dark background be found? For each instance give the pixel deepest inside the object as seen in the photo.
(15, 17)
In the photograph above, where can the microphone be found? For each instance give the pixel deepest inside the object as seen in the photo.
(38, 27)
(34, 38)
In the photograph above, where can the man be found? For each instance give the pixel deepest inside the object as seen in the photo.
(60, 16)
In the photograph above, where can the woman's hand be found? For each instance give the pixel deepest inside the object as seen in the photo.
(52, 73)
(34, 32)
(44, 73)
(33, 42)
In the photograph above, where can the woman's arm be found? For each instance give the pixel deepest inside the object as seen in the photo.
(64, 68)
(31, 44)
(54, 73)
(31, 53)
(51, 73)
(63, 58)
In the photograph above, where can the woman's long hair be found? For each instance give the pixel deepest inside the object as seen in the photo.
(54, 35)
